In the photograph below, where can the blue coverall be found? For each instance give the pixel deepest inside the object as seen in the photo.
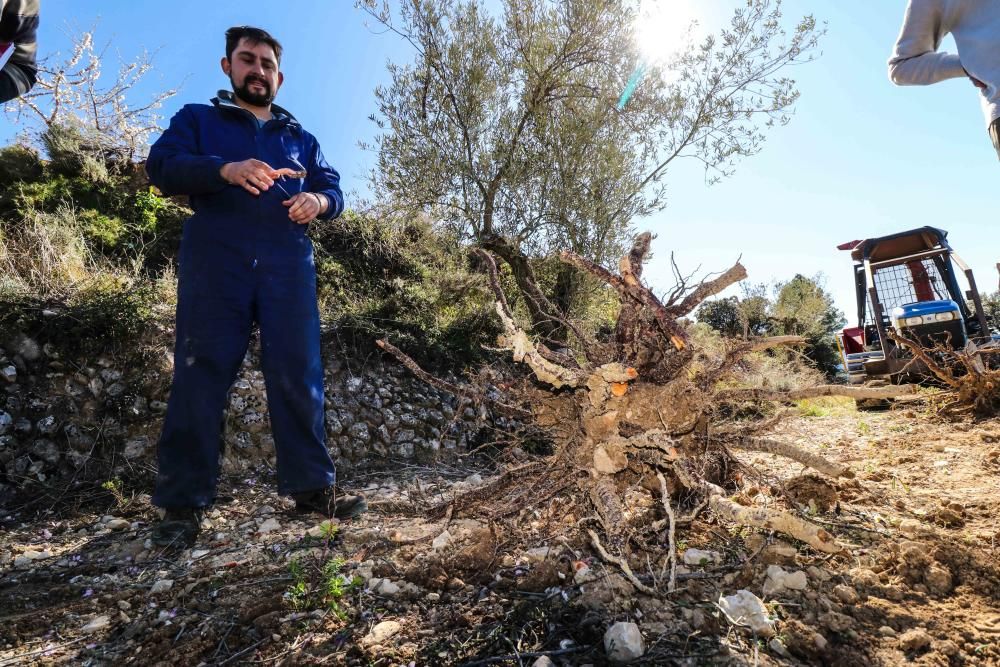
(242, 260)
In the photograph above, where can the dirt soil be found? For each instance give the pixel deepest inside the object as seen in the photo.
(918, 584)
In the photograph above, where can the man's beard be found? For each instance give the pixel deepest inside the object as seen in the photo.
(256, 99)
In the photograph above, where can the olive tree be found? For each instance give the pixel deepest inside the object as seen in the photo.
(506, 126)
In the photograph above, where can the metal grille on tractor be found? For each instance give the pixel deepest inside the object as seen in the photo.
(912, 282)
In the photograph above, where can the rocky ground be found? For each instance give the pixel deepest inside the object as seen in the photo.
(919, 584)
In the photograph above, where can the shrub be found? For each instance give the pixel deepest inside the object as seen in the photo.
(406, 281)
(72, 152)
(46, 253)
(100, 230)
(19, 163)
(107, 313)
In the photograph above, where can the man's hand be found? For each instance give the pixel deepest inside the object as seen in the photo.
(252, 175)
(305, 206)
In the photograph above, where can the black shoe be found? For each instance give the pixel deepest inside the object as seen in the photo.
(178, 527)
(331, 505)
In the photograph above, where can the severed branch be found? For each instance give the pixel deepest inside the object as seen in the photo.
(708, 289)
(782, 522)
(444, 385)
(790, 451)
(635, 292)
(815, 392)
(630, 265)
(525, 351)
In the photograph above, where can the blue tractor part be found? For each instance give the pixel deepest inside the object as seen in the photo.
(931, 323)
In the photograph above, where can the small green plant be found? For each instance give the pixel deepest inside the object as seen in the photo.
(328, 589)
(864, 428)
(896, 479)
(114, 487)
(298, 592)
(328, 530)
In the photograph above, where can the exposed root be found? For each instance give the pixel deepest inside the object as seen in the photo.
(621, 563)
(782, 522)
(637, 414)
(672, 525)
(790, 451)
(604, 498)
(638, 293)
(919, 353)
(971, 377)
(588, 347)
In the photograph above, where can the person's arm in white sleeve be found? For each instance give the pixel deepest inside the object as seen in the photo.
(915, 60)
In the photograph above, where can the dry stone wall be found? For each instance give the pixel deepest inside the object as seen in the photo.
(57, 415)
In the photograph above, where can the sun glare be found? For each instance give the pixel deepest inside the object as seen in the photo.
(662, 28)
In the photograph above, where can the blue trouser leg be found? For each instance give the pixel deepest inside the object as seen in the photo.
(293, 372)
(214, 317)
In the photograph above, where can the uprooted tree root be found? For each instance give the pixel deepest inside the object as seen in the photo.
(970, 376)
(638, 413)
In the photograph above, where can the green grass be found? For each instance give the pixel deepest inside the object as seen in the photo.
(824, 406)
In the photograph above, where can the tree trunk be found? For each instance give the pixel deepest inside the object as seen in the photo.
(540, 309)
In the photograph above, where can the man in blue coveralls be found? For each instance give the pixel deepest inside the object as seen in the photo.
(255, 179)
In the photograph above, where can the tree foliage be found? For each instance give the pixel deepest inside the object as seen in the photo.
(991, 306)
(506, 127)
(798, 307)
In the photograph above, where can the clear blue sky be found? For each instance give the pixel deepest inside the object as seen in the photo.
(860, 158)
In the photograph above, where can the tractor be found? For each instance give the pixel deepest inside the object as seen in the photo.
(908, 282)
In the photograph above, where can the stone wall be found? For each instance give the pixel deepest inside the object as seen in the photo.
(379, 412)
(57, 415)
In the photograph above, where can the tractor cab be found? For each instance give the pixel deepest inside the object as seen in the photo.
(908, 283)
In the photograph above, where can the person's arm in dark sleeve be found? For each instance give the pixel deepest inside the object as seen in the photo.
(324, 179)
(176, 167)
(15, 80)
(916, 60)
(18, 27)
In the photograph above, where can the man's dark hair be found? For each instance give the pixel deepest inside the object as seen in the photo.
(253, 36)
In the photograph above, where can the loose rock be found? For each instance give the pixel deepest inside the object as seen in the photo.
(778, 580)
(98, 623)
(699, 557)
(746, 609)
(938, 580)
(915, 639)
(836, 621)
(623, 642)
(381, 632)
(161, 586)
(269, 525)
(845, 594)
